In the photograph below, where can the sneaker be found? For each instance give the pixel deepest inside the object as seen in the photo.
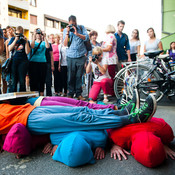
(133, 104)
(146, 112)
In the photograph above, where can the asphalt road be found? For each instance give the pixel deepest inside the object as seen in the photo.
(38, 163)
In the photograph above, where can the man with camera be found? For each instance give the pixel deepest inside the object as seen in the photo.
(20, 47)
(74, 36)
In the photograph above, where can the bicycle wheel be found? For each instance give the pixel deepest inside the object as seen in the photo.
(119, 83)
(138, 76)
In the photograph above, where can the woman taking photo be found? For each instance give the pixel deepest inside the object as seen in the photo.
(20, 47)
(135, 45)
(102, 80)
(38, 65)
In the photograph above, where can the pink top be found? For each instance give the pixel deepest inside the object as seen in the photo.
(55, 52)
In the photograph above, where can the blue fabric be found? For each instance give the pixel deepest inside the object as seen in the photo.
(77, 48)
(74, 151)
(122, 46)
(31, 100)
(55, 119)
(20, 53)
(40, 54)
(95, 138)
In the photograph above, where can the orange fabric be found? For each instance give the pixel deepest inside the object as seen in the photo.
(12, 114)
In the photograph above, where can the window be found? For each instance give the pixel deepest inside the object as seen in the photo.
(33, 3)
(15, 13)
(57, 25)
(63, 25)
(33, 19)
(49, 23)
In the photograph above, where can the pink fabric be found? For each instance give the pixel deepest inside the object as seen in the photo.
(55, 52)
(106, 85)
(64, 101)
(18, 140)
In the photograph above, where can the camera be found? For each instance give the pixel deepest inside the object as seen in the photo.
(95, 57)
(71, 27)
(20, 35)
(38, 31)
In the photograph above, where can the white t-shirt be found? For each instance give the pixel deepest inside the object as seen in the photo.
(97, 74)
(112, 55)
(133, 46)
(150, 47)
(62, 54)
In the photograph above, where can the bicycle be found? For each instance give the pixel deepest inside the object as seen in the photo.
(157, 78)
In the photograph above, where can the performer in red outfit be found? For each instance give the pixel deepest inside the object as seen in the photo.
(147, 142)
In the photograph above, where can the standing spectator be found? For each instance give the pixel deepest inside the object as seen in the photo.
(93, 38)
(63, 67)
(102, 80)
(5, 34)
(10, 34)
(74, 37)
(1, 50)
(1, 41)
(20, 47)
(52, 38)
(123, 48)
(153, 43)
(56, 73)
(135, 45)
(50, 69)
(171, 52)
(38, 65)
(109, 48)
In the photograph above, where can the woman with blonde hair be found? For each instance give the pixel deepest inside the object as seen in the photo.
(109, 47)
(102, 80)
(56, 73)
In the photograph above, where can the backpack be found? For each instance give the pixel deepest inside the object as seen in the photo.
(87, 43)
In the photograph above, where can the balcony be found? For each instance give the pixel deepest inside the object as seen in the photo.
(18, 21)
(20, 4)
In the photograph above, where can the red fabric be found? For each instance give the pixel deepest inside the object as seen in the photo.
(147, 149)
(123, 136)
(105, 85)
(127, 136)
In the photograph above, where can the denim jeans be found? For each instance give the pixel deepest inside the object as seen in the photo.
(19, 71)
(75, 68)
(56, 119)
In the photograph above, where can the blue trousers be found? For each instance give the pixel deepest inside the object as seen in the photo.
(55, 119)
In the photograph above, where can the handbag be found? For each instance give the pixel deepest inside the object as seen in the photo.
(6, 67)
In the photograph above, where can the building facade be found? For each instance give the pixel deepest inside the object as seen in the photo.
(27, 14)
(168, 22)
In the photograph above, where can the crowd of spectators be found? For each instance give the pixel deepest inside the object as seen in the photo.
(65, 59)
